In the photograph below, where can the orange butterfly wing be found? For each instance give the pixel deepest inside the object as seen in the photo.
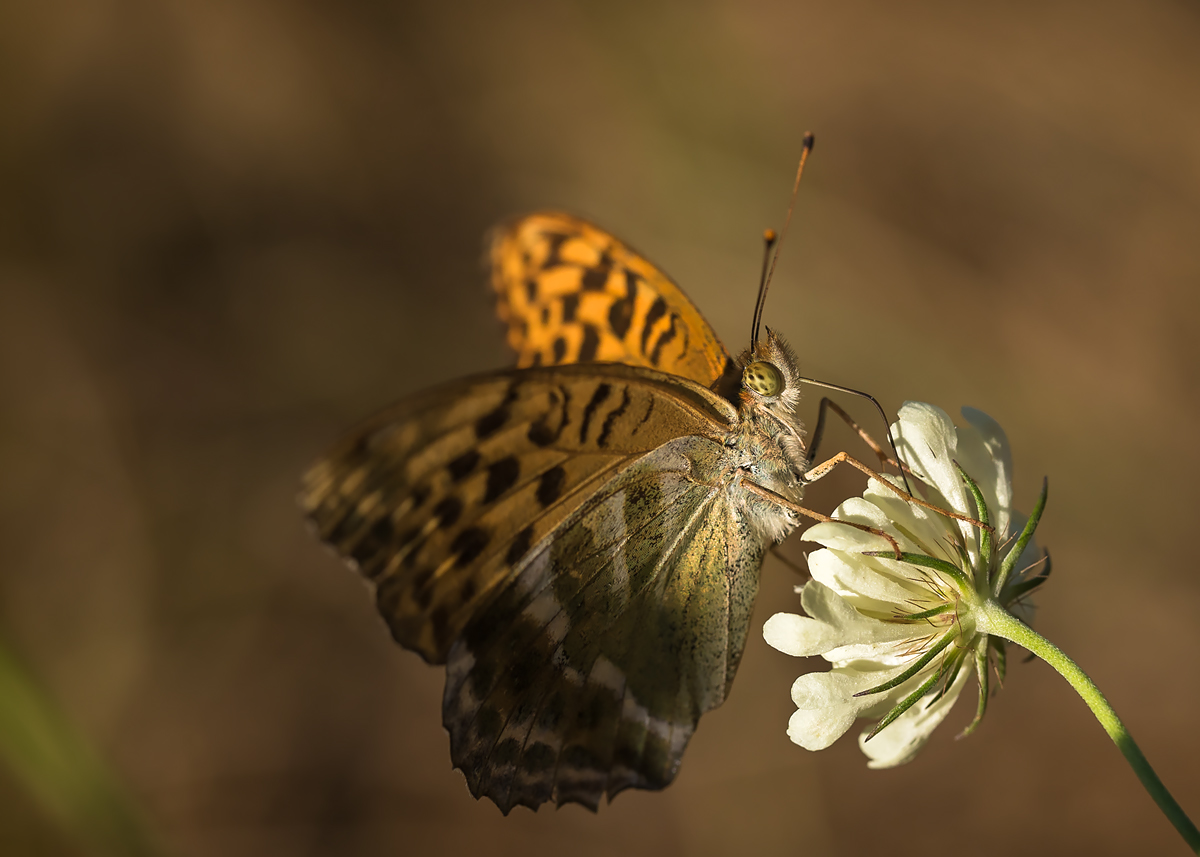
(571, 293)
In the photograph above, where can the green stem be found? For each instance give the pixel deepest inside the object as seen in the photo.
(994, 619)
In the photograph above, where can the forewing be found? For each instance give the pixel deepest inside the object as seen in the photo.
(438, 499)
(589, 673)
(571, 293)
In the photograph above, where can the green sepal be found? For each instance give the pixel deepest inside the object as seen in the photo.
(907, 703)
(950, 671)
(927, 614)
(1027, 586)
(981, 674)
(985, 532)
(946, 640)
(912, 699)
(1010, 560)
(923, 561)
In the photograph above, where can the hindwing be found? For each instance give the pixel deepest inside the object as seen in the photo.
(593, 667)
(569, 292)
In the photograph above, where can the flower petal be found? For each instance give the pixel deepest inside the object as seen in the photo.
(800, 636)
(924, 530)
(827, 706)
(984, 453)
(861, 580)
(926, 439)
(856, 511)
(834, 629)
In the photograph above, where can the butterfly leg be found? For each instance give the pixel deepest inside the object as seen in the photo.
(780, 500)
(823, 469)
(828, 404)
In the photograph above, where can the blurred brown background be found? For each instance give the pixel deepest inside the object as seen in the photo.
(231, 228)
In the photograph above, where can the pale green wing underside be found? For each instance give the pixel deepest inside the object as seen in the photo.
(589, 673)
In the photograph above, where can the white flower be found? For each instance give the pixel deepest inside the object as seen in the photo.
(902, 635)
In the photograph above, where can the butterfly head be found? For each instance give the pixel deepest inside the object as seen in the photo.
(769, 394)
(770, 375)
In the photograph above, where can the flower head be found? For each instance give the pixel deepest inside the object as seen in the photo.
(904, 635)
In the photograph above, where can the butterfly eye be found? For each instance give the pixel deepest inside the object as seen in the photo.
(763, 378)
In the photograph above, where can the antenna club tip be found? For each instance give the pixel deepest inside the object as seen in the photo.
(809, 139)
(769, 236)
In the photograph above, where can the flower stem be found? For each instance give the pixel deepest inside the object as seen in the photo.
(996, 620)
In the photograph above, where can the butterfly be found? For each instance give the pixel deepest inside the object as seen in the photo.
(574, 538)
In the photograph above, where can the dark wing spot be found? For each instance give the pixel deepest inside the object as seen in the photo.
(448, 511)
(620, 314)
(579, 757)
(423, 594)
(570, 306)
(560, 349)
(489, 719)
(531, 290)
(550, 486)
(505, 753)
(388, 596)
(595, 279)
(668, 336)
(346, 525)
(657, 310)
(538, 758)
(545, 315)
(541, 434)
(598, 397)
(502, 475)
(371, 550)
(645, 417)
(376, 539)
(461, 467)
(522, 673)
(469, 544)
(591, 343)
(611, 419)
(420, 580)
(554, 254)
(520, 546)
(491, 422)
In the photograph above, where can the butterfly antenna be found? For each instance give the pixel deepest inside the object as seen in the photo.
(769, 239)
(809, 139)
(883, 414)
